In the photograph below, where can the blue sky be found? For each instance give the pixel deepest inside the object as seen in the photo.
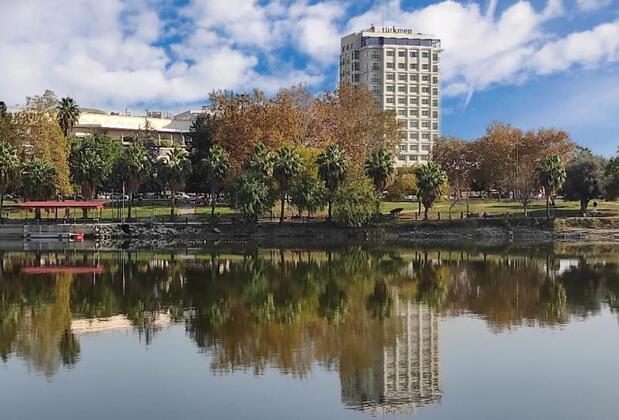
(534, 63)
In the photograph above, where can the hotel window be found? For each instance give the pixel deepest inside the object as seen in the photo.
(413, 54)
(435, 80)
(413, 157)
(425, 101)
(425, 136)
(355, 55)
(425, 89)
(402, 101)
(435, 136)
(434, 114)
(402, 124)
(414, 147)
(423, 158)
(435, 126)
(402, 157)
(413, 66)
(425, 124)
(425, 67)
(401, 53)
(414, 77)
(375, 66)
(414, 136)
(425, 78)
(435, 91)
(390, 88)
(402, 66)
(375, 55)
(402, 77)
(403, 147)
(425, 147)
(434, 102)
(414, 124)
(402, 89)
(435, 69)
(390, 65)
(389, 53)
(403, 135)
(435, 57)
(356, 67)
(414, 101)
(414, 89)
(402, 112)
(425, 113)
(390, 76)
(425, 54)
(390, 100)
(414, 113)
(355, 78)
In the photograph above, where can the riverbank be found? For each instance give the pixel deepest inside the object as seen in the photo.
(479, 230)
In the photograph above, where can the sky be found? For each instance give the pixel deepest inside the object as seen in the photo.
(536, 63)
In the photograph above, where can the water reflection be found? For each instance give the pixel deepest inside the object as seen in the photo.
(370, 314)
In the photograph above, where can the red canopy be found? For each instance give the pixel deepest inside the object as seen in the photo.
(95, 204)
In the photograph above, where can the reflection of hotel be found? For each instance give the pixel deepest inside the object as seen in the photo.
(405, 375)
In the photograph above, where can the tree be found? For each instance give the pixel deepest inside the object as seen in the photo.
(584, 178)
(459, 161)
(131, 170)
(176, 169)
(251, 195)
(39, 180)
(431, 181)
(404, 184)
(551, 176)
(91, 161)
(332, 166)
(380, 167)
(286, 168)
(355, 202)
(199, 140)
(215, 167)
(9, 170)
(308, 194)
(67, 114)
(611, 189)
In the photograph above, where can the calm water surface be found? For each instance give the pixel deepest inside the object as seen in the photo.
(345, 333)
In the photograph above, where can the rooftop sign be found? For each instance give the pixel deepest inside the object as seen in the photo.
(391, 30)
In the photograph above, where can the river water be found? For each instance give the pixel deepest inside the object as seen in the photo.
(235, 332)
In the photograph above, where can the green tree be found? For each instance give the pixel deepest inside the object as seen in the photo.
(251, 195)
(380, 167)
(215, 167)
(404, 184)
(68, 113)
(39, 180)
(584, 178)
(611, 189)
(551, 176)
(199, 141)
(308, 194)
(260, 160)
(91, 161)
(9, 170)
(332, 166)
(286, 168)
(355, 202)
(177, 167)
(431, 181)
(132, 169)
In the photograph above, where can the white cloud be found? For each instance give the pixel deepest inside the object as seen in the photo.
(110, 52)
(591, 5)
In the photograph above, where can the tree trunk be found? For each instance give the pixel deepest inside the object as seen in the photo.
(1, 206)
(583, 205)
(548, 207)
(525, 210)
(281, 211)
(329, 211)
(212, 201)
(172, 205)
(425, 213)
(130, 204)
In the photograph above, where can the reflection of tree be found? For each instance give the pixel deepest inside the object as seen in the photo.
(379, 302)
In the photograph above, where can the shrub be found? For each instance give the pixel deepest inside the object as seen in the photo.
(355, 203)
(251, 195)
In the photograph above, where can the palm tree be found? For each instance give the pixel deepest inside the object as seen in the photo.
(332, 166)
(379, 166)
(551, 175)
(131, 170)
(9, 170)
(431, 180)
(261, 161)
(286, 167)
(68, 114)
(216, 165)
(176, 170)
(39, 181)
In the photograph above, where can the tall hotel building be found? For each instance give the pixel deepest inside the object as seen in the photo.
(401, 69)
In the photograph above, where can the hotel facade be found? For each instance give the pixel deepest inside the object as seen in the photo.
(401, 69)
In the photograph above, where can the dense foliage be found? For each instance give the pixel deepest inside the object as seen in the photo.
(355, 203)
